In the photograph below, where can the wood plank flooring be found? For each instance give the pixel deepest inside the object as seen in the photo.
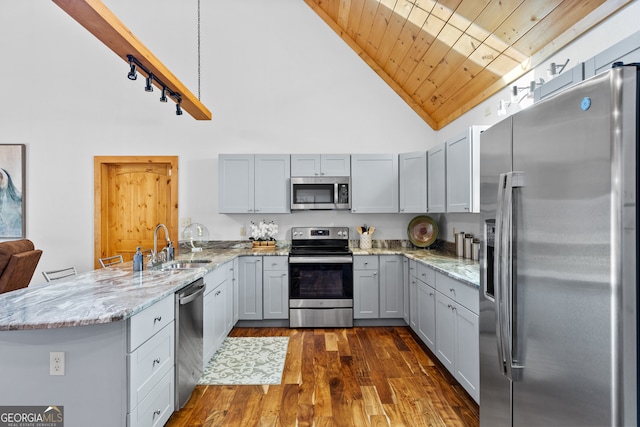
(373, 376)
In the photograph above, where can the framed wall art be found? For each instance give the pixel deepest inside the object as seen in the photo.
(12, 195)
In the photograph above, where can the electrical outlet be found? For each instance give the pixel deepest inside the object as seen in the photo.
(243, 231)
(56, 363)
(185, 222)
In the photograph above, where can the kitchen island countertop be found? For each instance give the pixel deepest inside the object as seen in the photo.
(116, 293)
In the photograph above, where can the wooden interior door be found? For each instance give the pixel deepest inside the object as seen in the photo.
(132, 196)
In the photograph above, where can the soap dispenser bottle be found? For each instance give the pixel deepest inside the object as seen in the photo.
(170, 252)
(138, 265)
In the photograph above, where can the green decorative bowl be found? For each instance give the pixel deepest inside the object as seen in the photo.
(422, 231)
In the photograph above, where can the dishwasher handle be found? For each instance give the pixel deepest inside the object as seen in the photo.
(191, 292)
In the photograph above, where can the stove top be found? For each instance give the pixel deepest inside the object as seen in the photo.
(319, 241)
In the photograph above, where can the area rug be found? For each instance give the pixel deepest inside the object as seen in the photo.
(247, 361)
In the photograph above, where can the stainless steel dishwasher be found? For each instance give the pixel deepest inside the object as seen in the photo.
(188, 340)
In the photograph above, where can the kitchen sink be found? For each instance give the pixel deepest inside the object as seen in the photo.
(184, 265)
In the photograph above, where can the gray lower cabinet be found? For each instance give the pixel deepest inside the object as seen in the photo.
(215, 312)
(250, 288)
(150, 364)
(391, 287)
(406, 280)
(366, 287)
(378, 287)
(275, 287)
(426, 320)
(457, 328)
(232, 278)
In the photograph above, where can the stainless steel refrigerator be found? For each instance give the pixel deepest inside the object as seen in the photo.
(559, 259)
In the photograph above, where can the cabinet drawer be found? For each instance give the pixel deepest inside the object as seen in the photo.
(413, 268)
(460, 292)
(149, 363)
(157, 407)
(214, 279)
(273, 263)
(365, 262)
(426, 274)
(149, 321)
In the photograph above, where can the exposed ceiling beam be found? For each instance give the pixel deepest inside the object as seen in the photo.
(103, 24)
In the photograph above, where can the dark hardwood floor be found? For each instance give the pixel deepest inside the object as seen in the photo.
(373, 376)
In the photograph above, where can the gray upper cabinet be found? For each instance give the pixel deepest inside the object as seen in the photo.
(463, 171)
(560, 83)
(627, 51)
(249, 183)
(413, 182)
(436, 182)
(374, 183)
(320, 165)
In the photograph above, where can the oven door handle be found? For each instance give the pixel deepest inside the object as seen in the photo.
(320, 260)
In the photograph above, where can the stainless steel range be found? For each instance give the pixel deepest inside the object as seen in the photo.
(320, 278)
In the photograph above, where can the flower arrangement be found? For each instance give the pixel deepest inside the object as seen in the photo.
(263, 231)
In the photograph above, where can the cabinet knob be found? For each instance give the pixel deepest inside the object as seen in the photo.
(156, 412)
(452, 290)
(157, 319)
(156, 361)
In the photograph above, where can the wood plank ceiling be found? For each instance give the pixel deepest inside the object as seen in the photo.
(445, 57)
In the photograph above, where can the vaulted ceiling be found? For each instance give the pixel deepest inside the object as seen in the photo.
(445, 57)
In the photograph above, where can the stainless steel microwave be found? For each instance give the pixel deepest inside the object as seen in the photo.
(325, 192)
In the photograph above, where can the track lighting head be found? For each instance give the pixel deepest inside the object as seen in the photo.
(178, 109)
(163, 97)
(132, 73)
(149, 87)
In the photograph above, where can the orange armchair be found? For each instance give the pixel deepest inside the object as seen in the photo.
(18, 261)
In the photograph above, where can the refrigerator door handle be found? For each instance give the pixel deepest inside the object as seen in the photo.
(507, 338)
(498, 273)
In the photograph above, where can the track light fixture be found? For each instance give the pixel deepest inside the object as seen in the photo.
(163, 97)
(166, 91)
(555, 69)
(148, 87)
(132, 72)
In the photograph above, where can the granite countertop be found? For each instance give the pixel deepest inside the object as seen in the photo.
(116, 293)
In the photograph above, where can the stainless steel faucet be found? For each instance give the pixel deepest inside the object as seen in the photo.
(155, 259)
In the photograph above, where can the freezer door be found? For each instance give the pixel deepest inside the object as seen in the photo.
(495, 388)
(564, 316)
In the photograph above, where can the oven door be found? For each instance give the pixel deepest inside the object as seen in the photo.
(320, 281)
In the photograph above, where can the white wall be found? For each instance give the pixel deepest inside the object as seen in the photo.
(276, 78)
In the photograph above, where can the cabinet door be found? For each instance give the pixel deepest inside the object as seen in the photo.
(374, 181)
(413, 182)
(459, 174)
(365, 294)
(426, 316)
(219, 316)
(391, 287)
(231, 298)
(276, 294)
(305, 165)
(467, 362)
(436, 182)
(208, 332)
(236, 290)
(250, 288)
(413, 303)
(236, 183)
(272, 175)
(335, 164)
(445, 331)
(405, 291)
(463, 171)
